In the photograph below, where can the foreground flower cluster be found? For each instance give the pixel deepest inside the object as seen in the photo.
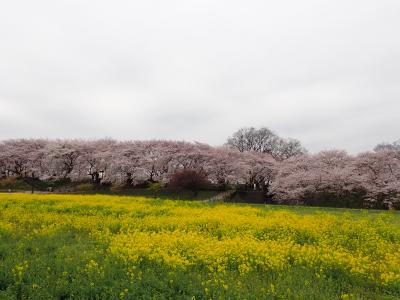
(224, 250)
(247, 239)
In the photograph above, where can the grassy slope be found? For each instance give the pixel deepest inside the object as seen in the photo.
(40, 259)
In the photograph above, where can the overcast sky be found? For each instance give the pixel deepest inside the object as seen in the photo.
(324, 72)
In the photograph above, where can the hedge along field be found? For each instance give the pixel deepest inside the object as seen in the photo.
(109, 247)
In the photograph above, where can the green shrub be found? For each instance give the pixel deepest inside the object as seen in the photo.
(156, 186)
(84, 187)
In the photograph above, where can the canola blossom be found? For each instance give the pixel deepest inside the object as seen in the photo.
(227, 250)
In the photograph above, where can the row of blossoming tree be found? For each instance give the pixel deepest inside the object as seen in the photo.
(280, 168)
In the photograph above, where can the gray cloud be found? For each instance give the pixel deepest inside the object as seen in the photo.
(325, 72)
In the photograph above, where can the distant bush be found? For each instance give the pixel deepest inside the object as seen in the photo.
(191, 180)
(60, 182)
(8, 182)
(141, 185)
(13, 183)
(117, 188)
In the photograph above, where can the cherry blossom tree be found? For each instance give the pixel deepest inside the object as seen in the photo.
(224, 167)
(22, 158)
(380, 174)
(124, 163)
(301, 178)
(95, 159)
(157, 158)
(61, 158)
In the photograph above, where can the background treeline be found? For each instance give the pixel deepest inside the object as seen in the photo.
(252, 159)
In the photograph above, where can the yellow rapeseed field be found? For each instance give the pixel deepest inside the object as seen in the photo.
(104, 247)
